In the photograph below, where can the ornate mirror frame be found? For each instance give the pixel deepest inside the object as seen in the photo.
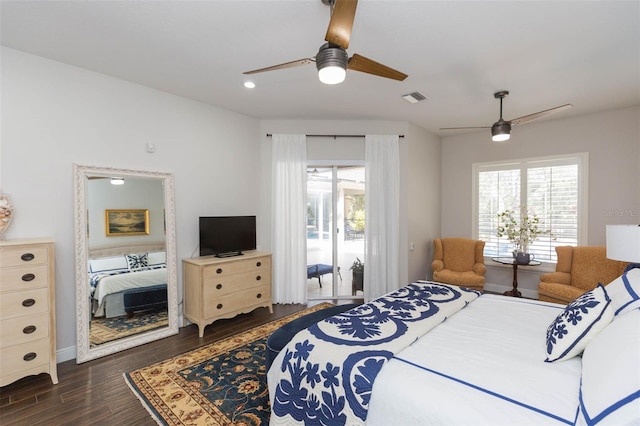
(83, 308)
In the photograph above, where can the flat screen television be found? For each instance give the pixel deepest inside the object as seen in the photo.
(225, 236)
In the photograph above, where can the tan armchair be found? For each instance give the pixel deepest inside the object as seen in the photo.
(459, 261)
(579, 269)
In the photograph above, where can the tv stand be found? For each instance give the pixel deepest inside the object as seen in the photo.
(229, 254)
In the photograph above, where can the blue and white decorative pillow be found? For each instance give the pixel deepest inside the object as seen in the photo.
(581, 321)
(137, 262)
(624, 291)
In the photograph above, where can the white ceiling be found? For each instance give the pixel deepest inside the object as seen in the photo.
(457, 53)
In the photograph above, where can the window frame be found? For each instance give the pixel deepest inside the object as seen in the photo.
(581, 159)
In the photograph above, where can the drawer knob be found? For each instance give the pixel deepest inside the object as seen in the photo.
(28, 277)
(219, 271)
(28, 257)
(29, 329)
(259, 295)
(219, 306)
(259, 264)
(219, 286)
(28, 302)
(258, 278)
(30, 356)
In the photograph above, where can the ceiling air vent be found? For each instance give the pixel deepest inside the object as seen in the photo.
(414, 97)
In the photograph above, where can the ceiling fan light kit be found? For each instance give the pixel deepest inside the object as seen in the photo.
(331, 62)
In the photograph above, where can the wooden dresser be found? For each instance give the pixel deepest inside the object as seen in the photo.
(217, 288)
(27, 310)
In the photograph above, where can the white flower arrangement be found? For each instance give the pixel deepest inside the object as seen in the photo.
(521, 228)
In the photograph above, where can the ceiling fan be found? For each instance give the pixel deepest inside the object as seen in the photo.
(501, 129)
(332, 60)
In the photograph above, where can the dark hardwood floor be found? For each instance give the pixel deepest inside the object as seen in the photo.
(95, 393)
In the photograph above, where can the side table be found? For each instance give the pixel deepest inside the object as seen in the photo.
(512, 261)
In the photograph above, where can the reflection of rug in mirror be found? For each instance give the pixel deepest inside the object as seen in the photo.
(222, 383)
(104, 330)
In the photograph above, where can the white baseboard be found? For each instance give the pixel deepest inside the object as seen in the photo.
(498, 288)
(65, 354)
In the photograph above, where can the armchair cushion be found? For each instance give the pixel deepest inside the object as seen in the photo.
(459, 261)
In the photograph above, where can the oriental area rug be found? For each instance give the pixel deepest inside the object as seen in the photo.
(222, 383)
(103, 330)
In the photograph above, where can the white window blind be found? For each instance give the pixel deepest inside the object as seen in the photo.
(553, 188)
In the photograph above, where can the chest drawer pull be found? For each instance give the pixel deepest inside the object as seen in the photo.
(258, 263)
(258, 278)
(30, 356)
(219, 271)
(29, 329)
(28, 277)
(219, 286)
(259, 295)
(219, 306)
(28, 257)
(28, 302)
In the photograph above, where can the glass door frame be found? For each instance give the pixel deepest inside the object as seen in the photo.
(335, 228)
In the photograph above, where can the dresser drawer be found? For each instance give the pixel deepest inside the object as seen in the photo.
(25, 329)
(20, 303)
(23, 278)
(19, 358)
(219, 305)
(225, 269)
(220, 286)
(23, 256)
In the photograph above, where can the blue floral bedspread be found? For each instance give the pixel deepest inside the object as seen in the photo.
(324, 376)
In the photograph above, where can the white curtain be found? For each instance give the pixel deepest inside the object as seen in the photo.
(382, 169)
(289, 183)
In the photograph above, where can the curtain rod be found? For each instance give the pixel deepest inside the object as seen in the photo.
(333, 136)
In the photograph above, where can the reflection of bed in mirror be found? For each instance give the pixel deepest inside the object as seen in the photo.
(127, 279)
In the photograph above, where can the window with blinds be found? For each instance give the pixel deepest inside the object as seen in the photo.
(553, 188)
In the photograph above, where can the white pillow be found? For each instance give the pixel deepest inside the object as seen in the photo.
(610, 385)
(624, 291)
(108, 264)
(157, 258)
(580, 322)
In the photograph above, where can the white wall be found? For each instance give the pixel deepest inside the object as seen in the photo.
(54, 115)
(612, 140)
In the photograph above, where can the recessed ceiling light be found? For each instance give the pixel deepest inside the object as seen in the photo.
(249, 84)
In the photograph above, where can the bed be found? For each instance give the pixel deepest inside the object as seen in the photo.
(430, 353)
(126, 279)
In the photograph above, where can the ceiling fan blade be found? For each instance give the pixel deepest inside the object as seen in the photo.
(291, 64)
(465, 128)
(537, 115)
(342, 15)
(362, 64)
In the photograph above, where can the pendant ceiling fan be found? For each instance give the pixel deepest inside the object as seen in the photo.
(332, 60)
(501, 129)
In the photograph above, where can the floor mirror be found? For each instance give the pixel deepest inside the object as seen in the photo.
(126, 276)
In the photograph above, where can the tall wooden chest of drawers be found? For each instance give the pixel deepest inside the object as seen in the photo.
(217, 288)
(27, 310)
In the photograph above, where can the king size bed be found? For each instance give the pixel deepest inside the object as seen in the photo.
(431, 353)
(126, 279)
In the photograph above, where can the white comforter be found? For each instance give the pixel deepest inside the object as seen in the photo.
(483, 366)
(115, 283)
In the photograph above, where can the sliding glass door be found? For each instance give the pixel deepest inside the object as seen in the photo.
(335, 231)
